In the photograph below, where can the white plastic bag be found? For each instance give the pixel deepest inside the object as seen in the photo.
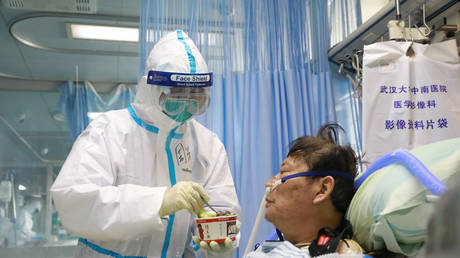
(409, 101)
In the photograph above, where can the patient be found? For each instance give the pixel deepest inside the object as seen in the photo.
(309, 198)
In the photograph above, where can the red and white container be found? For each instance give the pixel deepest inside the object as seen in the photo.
(217, 228)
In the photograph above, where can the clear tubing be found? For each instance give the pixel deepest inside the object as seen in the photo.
(398, 12)
(257, 222)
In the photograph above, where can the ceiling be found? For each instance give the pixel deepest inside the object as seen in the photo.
(35, 44)
(36, 57)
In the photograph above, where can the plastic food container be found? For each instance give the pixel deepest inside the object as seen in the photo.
(217, 228)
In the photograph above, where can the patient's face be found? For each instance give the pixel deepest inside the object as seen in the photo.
(289, 201)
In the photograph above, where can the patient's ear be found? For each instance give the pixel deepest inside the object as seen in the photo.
(323, 187)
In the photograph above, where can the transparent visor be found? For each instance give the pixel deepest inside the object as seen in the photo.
(192, 100)
(182, 92)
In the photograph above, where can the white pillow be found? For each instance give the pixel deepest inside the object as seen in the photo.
(389, 210)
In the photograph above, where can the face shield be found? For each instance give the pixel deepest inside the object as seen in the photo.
(182, 95)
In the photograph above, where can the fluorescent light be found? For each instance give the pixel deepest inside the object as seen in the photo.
(58, 116)
(22, 188)
(102, 32)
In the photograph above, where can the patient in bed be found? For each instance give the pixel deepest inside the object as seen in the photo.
(308, 199)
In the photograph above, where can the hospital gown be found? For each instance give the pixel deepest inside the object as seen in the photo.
(287, 249)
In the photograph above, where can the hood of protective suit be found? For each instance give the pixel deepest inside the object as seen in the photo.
(177, 53)
(33, 206)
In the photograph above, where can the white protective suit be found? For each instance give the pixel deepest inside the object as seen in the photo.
(21, 232)
(111, 186)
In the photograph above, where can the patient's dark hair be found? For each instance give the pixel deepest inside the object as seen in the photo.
(321, 153)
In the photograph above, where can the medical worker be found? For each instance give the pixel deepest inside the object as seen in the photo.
(22, 233)
(135, 178)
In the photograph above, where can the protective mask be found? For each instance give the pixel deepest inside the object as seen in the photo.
(180, 110)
